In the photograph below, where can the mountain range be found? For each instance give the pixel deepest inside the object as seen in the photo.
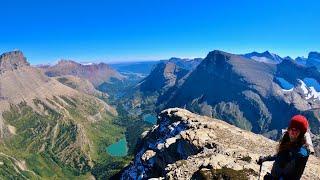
(253, 95)
(48, 129)
(313, 58)
(56, 121)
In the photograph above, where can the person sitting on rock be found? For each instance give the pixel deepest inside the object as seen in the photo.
(292, 154)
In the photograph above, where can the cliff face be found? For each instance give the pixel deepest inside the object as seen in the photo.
(184, 145)
(164, 76)
(12, 60)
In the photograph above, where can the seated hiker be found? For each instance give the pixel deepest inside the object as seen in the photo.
(292, 154)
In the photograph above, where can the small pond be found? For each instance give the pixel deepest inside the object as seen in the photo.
(310, 82)
(150, 118)
(119, 148)
(284, 84)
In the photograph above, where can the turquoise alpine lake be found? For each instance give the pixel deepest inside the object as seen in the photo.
(150, 118)
(311, 82)
(285, 84)
(119, 148)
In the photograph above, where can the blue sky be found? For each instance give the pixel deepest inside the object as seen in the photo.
(123, 30)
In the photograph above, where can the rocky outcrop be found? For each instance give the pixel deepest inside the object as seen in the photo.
(12, 60)
(184, 145)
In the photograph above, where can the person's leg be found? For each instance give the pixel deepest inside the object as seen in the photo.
(268, 176)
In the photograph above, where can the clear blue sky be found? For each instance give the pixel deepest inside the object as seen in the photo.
(115, 30)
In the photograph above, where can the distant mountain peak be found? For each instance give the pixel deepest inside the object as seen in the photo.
(12, 60)
(266, 53)
(174, 58)
(288, 61)
(164, 75)
(216, 51)
(301, 60)
(218, 55)
(95, 73)
(265, 56)
(288, 58)
(66, 61)
(314, 54)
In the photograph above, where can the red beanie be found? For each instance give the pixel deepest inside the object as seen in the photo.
(299, 122)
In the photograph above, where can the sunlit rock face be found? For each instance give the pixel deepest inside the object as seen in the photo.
(12, 60)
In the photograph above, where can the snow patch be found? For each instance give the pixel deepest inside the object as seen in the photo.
(87, 64)
(314, 94)
(303, 86)
(309, 92)
(261, 59)
(287, 90)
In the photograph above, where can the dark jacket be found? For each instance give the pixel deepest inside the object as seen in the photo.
(290, 164)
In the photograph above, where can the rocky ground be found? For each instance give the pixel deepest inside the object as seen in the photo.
(184, 145)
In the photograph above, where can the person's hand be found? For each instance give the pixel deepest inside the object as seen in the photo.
(261, 160)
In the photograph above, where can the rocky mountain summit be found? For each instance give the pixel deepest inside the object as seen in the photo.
(12, 60)
(188, 64)
(266, 57)
(163, 76)
(184, 145)
(313, 59)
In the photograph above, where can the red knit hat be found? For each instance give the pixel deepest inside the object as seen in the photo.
(299, 122)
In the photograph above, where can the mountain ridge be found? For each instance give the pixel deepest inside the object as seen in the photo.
(95, 73)
(266, 57)
(184, 145)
